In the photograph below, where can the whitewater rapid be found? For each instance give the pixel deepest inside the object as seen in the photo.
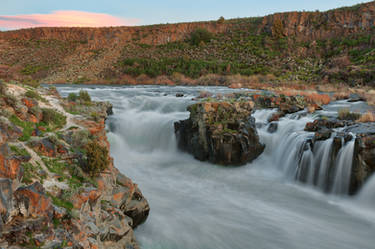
(260, 205)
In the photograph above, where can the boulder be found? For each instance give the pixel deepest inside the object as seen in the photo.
(48, 146)
(31, 201)
(272, 127)
(129, 199)
(6, 194)
(220, 132)
(10, 165)
(322, 124)
(8, 131)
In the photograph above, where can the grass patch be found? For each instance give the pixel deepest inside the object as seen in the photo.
(62, 203)
(19, 151)
(346, 114)
(34, 95)
(27, 127)
(55, 166)
(53, 118)
(28, 173)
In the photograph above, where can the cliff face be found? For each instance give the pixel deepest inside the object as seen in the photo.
(303, 25)
(97, 37)
(58, 186)
(322, 25)
(96, 54)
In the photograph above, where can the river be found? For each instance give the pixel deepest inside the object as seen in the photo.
(196, 205)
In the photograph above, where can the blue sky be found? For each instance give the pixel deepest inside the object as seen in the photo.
(168, 11)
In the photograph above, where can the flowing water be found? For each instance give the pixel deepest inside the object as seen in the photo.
(196, 205)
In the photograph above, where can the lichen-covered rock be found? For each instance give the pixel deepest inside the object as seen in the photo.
(220, 132)
(32, 201)
(48, 146)
(8, 131)
(6, 195)
(9, 164)
(127, 197)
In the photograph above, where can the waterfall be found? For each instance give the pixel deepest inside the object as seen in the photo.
(295, 153)
(343, 169)
(367, 193)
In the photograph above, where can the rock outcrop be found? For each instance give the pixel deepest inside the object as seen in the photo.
(48, 197)
(364, 153)
(220, 132)
(363, 165)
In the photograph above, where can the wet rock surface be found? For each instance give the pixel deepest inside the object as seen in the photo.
(220, 132)
(364, 151)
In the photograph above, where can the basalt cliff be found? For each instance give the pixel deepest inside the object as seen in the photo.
(335, 46)
(58, 185)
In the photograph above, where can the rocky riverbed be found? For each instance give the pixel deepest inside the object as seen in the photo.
(58, 186)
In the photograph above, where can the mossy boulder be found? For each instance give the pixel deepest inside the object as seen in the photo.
(220, 132)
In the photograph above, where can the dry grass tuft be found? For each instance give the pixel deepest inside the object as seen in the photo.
(367, 117)
(341, 95)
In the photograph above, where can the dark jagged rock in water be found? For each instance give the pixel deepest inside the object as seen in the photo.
(220, 132)
(272, 127)
(179, 95)
(363, 165)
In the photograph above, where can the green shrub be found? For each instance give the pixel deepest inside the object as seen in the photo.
(72, 97)
(200, 36)
(31, 69)
(84, 96)
(221, 20)
(53, 118)
(97, 158)
(32, 83)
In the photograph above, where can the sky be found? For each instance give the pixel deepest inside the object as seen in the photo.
(15, 14)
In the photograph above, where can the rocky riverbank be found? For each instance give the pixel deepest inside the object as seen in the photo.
(58, 186)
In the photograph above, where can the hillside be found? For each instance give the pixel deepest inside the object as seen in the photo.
(337, 46)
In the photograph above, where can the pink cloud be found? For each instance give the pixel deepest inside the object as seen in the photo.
(64, 18)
